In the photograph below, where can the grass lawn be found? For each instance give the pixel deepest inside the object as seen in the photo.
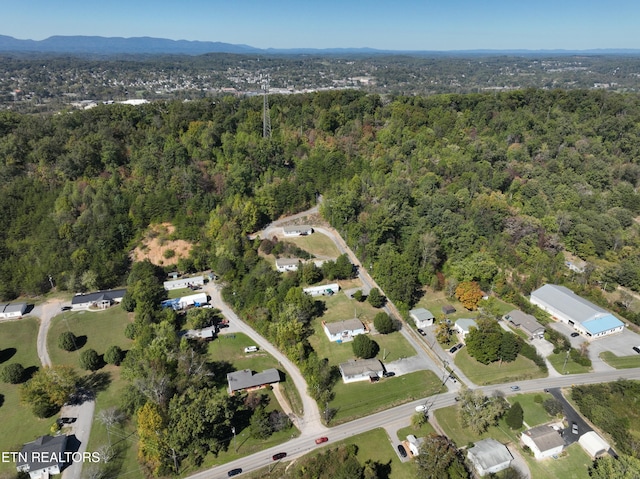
(518, 370)
(620, 362)
(422, 431)
(557, 361)
(534, 413)
(18, 345)
(361, 398)
(96, 330)
(179, 293)
(317, 244)
(573, 463)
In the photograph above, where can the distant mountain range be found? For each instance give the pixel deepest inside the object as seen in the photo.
(147, 45)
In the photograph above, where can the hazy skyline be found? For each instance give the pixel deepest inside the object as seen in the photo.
(398, 25)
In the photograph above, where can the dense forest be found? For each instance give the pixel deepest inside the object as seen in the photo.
(437, 191)
(484, 187)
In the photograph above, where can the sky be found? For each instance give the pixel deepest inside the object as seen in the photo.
(440, 25)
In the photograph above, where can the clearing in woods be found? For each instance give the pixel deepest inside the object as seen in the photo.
(158, 247)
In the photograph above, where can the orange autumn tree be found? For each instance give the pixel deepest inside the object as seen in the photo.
(469, 293)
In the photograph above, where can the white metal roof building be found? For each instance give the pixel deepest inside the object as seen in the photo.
(584, 316)
(593, 444)
(422, 317)
(488, 456)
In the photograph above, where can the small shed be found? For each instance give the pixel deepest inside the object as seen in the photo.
(422, 317)
(593, 444)
(448, 309)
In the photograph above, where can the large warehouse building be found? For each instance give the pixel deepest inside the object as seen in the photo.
(585, 317)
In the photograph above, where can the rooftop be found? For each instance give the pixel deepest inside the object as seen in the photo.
(246, 378)
(489, 453)
(355, 367)
(545, 437)
(346, 325)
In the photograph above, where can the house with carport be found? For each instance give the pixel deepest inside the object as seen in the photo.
(489, 456)
(544, 441)
(341, 331)
(361, 370)
(422, 317)
(585, 317)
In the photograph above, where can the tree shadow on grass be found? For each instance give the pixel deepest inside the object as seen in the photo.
(80, 342)
(29, 372)
(219, 370)
(94, 383)
(7, 354)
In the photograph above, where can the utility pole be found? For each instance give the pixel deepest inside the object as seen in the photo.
(564, 366)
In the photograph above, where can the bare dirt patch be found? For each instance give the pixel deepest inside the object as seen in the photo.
(157, 246)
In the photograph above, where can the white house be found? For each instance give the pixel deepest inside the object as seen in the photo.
(325, 289)
(528, 323)
(42, 457)
(99, 299)
(584, 316)
(12, 310)
(343, 330)
(422, 317)
(593, 444)
(489, 456)
(544, 441)
(464, 325)
(299, 230)
(361, 370)
(414, 444)
(287, 264)
(182, 283)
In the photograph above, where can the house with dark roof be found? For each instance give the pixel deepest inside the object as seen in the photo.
(99, 299)
(342, 331)
(544, 441)
(422, 317)
(246, 379)
(43, 457)
(526, 322)
(361, 370)
(489, 456)
(582, 315)
(12, 310)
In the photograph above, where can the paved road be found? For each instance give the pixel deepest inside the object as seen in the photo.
(390, 419)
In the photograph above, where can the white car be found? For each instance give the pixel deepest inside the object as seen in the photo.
(421, 408)
(250, 349)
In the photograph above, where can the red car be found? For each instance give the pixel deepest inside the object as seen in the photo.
(320, 440)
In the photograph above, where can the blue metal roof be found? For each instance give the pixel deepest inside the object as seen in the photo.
(602, 324)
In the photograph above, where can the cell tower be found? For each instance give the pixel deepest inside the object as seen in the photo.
(266, 117)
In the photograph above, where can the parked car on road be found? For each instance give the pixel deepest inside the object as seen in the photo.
(388, 374)
(422, 333)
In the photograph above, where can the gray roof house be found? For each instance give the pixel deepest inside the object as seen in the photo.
(544, 441)
(287, 264)
(489, 456)
(528, 323)
(43, 457)
(343, 330)
(100, 299)
(464, 325)
(584, 316)
(361, 370)
(247, 379)
(422, 317)
(12, 310)
(297, 230)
